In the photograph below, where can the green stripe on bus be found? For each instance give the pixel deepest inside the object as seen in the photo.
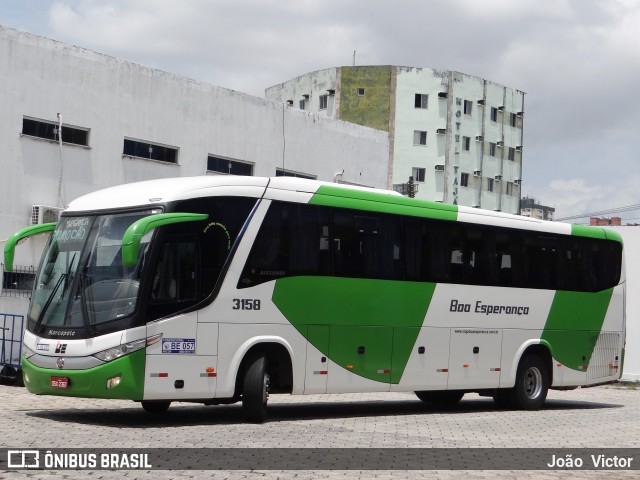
(574, 324)
(91, 383)
(595, 232)
(371, 323)
(382, 202)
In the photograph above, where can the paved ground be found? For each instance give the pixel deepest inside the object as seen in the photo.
(601, 417)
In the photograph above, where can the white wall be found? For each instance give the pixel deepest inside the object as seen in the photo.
(631, 239)
(312, 84)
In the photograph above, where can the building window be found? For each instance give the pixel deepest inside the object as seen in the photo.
(418, 174)
(419, 137)
(467, 106)
(494, 114)
(464, 179)
(512, 154)
(490, 182)
(230, 167)
(512, 119)
(49, 131)
(361, 92)
(466, 143)
(510, 188)
(281, 172)
(301, 104)
(323, 102)
(492, 149)
(19, 282)
(152, 151)
(421, 100)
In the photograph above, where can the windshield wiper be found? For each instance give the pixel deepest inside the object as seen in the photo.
(46, 305)
(83, 286)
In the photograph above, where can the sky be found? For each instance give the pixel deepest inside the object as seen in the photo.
(578, 61)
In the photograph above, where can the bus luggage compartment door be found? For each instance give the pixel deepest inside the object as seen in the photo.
(475, 358)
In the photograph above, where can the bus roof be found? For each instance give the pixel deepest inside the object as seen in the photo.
(161, 191)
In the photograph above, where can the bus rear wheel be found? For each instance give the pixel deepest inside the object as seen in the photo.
(440, 397)
(532, 384)
(255, 391)
(155, 407)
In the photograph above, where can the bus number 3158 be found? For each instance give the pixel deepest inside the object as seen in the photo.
(246, 304)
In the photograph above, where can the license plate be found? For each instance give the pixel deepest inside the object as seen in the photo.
(179, 345)
(59, 382)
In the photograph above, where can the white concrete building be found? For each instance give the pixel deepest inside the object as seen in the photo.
(459, 136)
(123, 122)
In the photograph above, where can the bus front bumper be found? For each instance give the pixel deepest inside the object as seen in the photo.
(122, 378)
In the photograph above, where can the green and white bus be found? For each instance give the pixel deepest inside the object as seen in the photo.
(224, 289)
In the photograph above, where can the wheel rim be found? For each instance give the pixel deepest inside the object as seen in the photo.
(532, 383)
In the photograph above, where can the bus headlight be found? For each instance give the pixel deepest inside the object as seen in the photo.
(126, 348)
(121, 350)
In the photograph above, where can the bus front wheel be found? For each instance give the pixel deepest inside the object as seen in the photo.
(532, 384)
(255, 391)
(155, 407)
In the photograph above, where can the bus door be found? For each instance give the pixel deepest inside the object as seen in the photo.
(183, 363)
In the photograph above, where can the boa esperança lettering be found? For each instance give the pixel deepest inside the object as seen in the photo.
(487, 309)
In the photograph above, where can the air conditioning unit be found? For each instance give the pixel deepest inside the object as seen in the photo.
(441, 131)
(498, 177)
(519, 148)
(477, 173)
(42, 214)
(517, 181)
(480, 138)
(500, 143)
(520, 114)
(439, 168)
(501, 109)
(443, 94)
(481, 102)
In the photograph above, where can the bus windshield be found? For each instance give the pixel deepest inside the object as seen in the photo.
(82, 281)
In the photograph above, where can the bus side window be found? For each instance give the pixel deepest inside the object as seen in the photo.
(293, 240)
(609, 261)
(540, 261)
(481, 252)
(508, 258)
(416, 248)
(366, 245)
(175, 278)
(459, 259)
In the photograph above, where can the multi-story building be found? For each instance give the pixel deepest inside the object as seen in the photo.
(530, 207)
(122, 122)
(460, 137)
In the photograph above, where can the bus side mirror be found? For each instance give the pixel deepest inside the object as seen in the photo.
(10, 245)
(138, 229)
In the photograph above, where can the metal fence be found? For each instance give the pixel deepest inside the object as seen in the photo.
(19, 282)
(11, 335)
